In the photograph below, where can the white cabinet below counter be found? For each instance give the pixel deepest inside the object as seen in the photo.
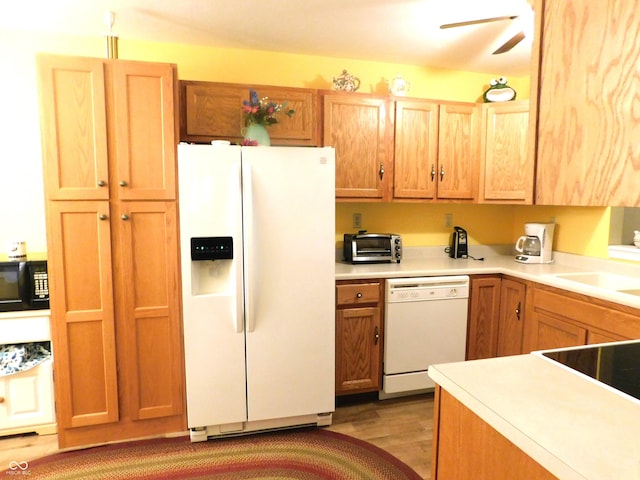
(27, 401)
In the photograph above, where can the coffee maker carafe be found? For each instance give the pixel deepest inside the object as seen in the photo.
(536, 245)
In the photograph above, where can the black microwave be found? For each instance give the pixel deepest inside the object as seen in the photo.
(24, 286)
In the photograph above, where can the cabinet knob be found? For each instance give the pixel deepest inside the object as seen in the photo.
(376, 336)
(102, 216)
(123, 183)
(433, 172)
(441, 172)
(381, 171)
(359, 295)
(124, 216)
(518, 311)
(101, 183)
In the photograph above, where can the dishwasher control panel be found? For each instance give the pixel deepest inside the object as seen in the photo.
(427, 288)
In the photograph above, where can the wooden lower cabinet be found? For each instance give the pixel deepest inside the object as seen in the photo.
(484, 310)
(496, 316)
(466, 447)
(511, 320)
(358, 336)
(116, 330)
(557, 318)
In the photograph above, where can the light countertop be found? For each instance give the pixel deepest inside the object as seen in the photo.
(432, 261)
(572, 426)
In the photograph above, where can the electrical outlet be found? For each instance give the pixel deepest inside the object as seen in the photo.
(448, 220)
(357, 220)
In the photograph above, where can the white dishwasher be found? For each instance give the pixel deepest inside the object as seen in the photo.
(425, 324)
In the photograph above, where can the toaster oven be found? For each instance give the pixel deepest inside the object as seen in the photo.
(364, 247)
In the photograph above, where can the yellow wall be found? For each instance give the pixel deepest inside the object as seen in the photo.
(420, 224)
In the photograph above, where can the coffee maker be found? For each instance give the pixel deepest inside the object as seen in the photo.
(536, 245)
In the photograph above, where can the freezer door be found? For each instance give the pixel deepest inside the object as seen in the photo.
(289, 218)
(210, 205)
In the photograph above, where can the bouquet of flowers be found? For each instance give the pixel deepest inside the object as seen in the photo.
(262, 111)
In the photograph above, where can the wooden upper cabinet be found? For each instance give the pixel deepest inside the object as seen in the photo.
(360, 128)
(506, 169)
(416, 149)
(587, 119)
(458, 151)
(144, 122)
(213, 111)
(74, 127)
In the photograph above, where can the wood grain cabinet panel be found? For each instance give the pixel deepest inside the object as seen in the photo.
(360, 128)
(144, 132)
(358, 336)
(558, 318)
(507, 170)
(458, 151)
(114, 276)
(73, 120)
(466, 447)
(484, 312)
(213, 111)
(587, 125)
(82, 313)
(511, 321)
(416, 149)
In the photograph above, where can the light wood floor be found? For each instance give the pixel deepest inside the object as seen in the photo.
(403, 427)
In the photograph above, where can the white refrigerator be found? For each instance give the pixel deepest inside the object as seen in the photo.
(258, 280)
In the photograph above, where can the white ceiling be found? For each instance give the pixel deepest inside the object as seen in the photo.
(397, 31)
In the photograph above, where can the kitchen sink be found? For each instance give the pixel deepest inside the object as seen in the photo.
(609, 281)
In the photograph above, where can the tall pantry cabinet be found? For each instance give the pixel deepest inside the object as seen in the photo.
(109, 133)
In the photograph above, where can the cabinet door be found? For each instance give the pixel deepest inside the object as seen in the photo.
(416, 149)
(511, 323)
(26, 399)
(551, 332)
(484, 310)
(74, 127)
(300, 129)
(148, 305)
(82, 313)
(587, 129)
(458, 151)
(213, 111)
(143, 130)
(507, 171)
(360, 128)
(358, 350)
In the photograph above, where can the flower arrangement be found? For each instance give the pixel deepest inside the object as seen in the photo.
(262, 111)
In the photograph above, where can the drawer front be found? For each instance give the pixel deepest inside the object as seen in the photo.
(358, 293)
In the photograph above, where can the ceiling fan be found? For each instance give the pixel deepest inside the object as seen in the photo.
(508, 45)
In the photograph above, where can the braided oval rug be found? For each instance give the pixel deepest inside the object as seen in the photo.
(305, 454)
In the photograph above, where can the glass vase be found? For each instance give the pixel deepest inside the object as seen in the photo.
(258, 133)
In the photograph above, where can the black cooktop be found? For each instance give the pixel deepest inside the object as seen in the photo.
(614, 364)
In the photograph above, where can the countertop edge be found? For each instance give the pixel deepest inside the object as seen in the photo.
(572, 426)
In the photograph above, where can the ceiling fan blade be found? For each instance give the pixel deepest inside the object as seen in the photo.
(475, 22)
(509, 44)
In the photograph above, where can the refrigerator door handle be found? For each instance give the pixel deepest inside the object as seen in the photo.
(236, 186)
(247, 215)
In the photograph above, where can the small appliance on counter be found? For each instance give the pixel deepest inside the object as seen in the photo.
(458, 247)
(363, 247)
(537, 243)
